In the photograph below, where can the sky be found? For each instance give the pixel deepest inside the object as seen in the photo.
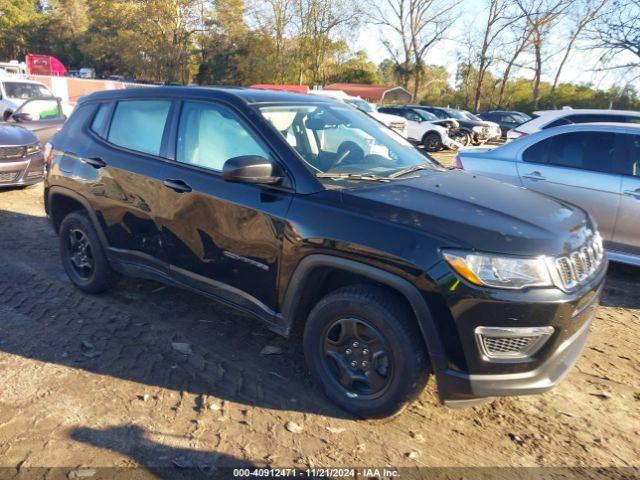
(578, 69)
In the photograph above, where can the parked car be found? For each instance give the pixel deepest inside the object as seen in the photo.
(43, 116)
(470, 132)
(494, 129)
(393, 266)
(21, 159)
(15, 91)
(554, 118)
(506, 119)
(394, 122)
(595, 166)
(423, 128)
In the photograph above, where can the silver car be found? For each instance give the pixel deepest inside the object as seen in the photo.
(595, 166)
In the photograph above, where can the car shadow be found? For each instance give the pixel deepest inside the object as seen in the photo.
(155, 460)
(622, 281)
(144, 332)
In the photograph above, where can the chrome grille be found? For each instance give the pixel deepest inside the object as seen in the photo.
(7, 153)
(8, 177)
(505, 344)
(580, 265)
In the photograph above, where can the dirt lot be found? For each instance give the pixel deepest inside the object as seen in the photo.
(94, 381)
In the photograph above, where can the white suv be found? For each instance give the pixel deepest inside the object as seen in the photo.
(394, 122)
(554, 118)
(14, 91)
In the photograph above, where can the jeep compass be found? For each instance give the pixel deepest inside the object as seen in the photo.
(391, 267)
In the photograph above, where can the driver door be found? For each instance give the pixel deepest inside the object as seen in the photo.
(43, 116)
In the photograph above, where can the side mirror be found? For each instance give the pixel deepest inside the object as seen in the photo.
(251, 169)
(22, 117)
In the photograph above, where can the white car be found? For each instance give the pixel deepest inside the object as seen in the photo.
(394, 122)
(15, 91)
(494, 129)
(425, 128)
(554, 118)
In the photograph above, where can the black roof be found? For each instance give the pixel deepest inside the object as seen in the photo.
(247, 95)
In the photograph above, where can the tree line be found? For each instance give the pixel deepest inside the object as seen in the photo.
(503, 54)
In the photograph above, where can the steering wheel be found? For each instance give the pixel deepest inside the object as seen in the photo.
(347, 148)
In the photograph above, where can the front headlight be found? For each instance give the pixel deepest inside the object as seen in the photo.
(477, 129)
(496, 271)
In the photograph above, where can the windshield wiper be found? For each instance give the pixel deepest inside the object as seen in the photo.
(411, 169)
(353, 176)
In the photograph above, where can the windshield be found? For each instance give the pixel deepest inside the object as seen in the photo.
(456, 114)
(471, 116)
(360, 104)
(342, 140)
(426, 115)
(25, 91)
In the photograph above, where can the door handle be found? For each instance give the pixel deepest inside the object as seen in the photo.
(633, 193)
(535, 176)
(177, 185)
(95, 162)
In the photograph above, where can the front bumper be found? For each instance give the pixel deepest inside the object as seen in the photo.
(468, 378)
(22, 171)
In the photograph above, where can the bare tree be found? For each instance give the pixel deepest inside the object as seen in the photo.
(522, 39)
(499, 17)
(617, 33)
(419, 24)
(317, 23)
(587, 11)
(541, 16)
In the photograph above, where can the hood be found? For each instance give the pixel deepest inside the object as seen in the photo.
(476, 213)
(13, 135)
(386, 118)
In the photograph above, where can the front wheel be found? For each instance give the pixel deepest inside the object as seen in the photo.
(364, 347)
(462, 137)
(432, 142)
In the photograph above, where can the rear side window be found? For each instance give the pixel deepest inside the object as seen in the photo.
(139, 125)
(595, 118)
(593, 151)
(209, 135)
(557, 123)
(99, 124)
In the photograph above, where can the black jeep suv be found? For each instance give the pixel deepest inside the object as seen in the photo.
(306, 213)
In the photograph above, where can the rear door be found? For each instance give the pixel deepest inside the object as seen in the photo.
(577, 167)
(627, 233)
(221, 237)
(124, 171)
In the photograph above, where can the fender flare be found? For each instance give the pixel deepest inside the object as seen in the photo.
(65, 192)
(413, 296)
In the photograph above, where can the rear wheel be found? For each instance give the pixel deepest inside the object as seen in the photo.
(83, 257)
(432, 142)
(364, 347)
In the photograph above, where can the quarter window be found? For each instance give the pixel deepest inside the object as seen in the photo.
(139, 125)
(209, 135)
(99, 124)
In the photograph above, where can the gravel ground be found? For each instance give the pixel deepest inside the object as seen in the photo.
(103, 381)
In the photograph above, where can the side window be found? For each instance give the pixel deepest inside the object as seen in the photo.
(629, 158)
(508, 119)
(632, 119)
(209, 135)
(139, 125)
(99, 124)
(594, 118)
(592, 151)
(538, 152)
(413, 116)
(557, 123)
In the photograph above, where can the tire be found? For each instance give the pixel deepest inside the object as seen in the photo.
(96, 275)
(463, 137)
(382, 324)
(432, 142)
